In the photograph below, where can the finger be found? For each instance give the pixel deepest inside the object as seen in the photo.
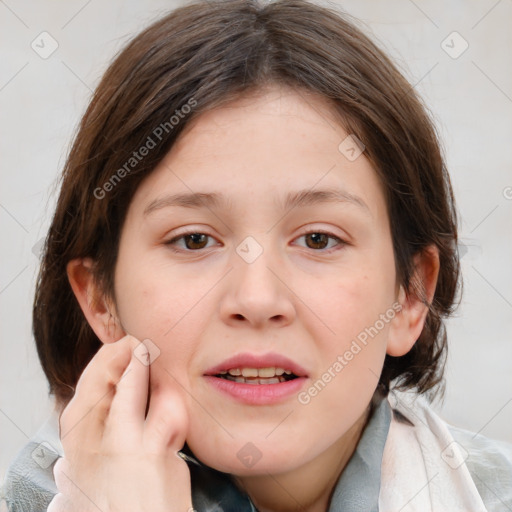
(70, 496)
(61, 475)
(58, 471)
(58, 504)
(167, 422)
(87, 410)
(126, 417)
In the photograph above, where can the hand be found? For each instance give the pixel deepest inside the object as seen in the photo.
(115, 460)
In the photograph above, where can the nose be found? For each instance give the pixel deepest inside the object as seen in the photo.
(257, 294)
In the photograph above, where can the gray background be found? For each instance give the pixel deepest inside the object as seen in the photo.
(470, 97)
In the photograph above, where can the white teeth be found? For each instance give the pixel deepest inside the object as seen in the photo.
(266, 373)
(253, 380)
(250, 372)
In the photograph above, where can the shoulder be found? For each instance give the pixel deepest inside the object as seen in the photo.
(29, 485)
(490, 465)
(486, 462)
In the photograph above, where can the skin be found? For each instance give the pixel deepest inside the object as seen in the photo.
(297, 298)
(114, 459)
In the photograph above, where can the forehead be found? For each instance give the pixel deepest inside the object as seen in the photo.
(260, 115)
(264, 148)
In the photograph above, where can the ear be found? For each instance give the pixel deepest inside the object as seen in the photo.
(406, 326)
(100, 314)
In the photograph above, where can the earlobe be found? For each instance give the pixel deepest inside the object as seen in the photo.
(407, 325)
(100, 315)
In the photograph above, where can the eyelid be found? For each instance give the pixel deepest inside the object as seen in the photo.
(308, 229)
(179, 235)
(338, 233)
(341, 241)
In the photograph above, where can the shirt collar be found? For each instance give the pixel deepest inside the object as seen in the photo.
(358, 487)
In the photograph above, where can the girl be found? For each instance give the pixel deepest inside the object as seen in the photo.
(241, 300)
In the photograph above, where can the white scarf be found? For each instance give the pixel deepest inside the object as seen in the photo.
(423, 467)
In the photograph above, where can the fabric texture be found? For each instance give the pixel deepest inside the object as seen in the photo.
(407, 459)
(425, 467)
(358, 487)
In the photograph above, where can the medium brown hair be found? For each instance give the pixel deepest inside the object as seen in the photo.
(213, 52)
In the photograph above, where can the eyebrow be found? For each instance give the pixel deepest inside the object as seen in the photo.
(300, 198)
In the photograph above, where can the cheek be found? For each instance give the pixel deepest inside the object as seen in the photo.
(349, 304)
(160, 306)
(352, 349)
(153, 299)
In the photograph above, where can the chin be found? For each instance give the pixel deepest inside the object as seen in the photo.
(246, 458)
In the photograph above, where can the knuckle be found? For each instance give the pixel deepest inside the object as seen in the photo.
(117, 359)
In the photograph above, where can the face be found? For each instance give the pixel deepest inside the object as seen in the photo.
(262, 271)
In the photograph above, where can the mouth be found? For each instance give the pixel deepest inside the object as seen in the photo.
(270, 375)
(257, 379)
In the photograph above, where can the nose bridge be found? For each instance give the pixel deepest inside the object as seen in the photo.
(252, 262)
(256, 293)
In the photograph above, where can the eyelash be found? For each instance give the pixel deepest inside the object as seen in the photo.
(339, 241)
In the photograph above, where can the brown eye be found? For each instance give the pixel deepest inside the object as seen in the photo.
(195, 241)
(320, 241)
(189, 242)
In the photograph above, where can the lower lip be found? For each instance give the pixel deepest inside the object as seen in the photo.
(257, 394)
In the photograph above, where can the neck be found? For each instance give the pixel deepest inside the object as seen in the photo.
(310, 487)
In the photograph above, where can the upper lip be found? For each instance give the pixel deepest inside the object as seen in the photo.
(268, 360)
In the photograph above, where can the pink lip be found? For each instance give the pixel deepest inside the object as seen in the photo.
(258, 361)
(257, 394)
